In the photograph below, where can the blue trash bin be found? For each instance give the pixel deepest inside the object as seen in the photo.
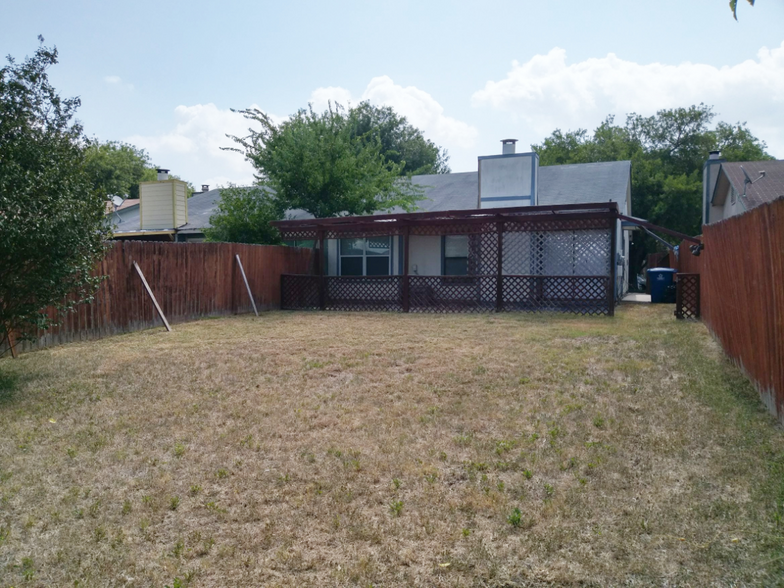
(660, 278)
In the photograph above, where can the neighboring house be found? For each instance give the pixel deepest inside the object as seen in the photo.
(126, 204)
(511, 234)
(164, 212)
(728, 191)
(502, 181)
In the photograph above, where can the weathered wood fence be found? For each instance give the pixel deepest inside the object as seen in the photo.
(742, 294)
(189, 280)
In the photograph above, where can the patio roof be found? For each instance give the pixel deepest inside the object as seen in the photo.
(555, 217)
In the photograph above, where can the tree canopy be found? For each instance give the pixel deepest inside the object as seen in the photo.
(734, 7)
(244, 216)
(401, 143)
(117, 168)
(52, 227)
(334, 162)
(667, 151)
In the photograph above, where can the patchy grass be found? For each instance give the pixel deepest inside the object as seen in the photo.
(386, 449)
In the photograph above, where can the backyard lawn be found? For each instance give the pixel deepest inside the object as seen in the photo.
(333, 449)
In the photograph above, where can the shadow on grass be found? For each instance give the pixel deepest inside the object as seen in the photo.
(9, 384)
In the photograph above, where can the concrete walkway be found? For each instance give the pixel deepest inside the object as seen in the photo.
(637, 298)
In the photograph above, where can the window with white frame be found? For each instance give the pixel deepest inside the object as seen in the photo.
(455, 255)
(371, 256)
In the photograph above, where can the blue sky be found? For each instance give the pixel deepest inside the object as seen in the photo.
(163, 75)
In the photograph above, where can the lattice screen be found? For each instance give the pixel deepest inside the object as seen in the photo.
(687, 296)
(546, 264)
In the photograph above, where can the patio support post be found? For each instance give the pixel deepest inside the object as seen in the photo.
(499, 286)
(613, 264)
(322, 259)
(406, 289)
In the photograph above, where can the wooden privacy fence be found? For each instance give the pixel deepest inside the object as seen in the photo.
(189, 280)
(742, 293)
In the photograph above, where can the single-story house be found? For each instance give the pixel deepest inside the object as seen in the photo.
(732, 188)
(585, 241)
(512, 235)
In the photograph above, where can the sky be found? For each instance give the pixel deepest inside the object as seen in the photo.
(165, 76)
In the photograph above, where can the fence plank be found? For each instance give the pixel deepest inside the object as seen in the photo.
(741, 295)
(191, 280)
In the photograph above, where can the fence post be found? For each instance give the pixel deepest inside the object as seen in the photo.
(11, 341)
(247, 286)
(152, 296)
(322, 259)
(406, 288)
(613, 265)
(499, 285)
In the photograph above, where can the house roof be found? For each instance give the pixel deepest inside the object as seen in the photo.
(594, 215)
(559, 184)
(762, 190)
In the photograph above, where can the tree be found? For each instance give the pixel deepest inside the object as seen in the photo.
(116, 168)
(667, 152)
(401, 143)
(319, 163)
(734, 7)
(244, 216)
(52, 227)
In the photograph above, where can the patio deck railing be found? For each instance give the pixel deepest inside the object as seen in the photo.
(445, 294)
(535, 258)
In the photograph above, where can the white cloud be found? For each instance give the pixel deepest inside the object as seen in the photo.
(117, 81)
(192, 150)
(321, 97)
(546, 92)
(419, 107)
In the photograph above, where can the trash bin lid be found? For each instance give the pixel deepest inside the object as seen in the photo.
(663, 270)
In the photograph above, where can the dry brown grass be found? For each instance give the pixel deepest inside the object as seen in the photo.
(388, 450)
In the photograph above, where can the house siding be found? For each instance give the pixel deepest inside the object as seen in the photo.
(425, 254)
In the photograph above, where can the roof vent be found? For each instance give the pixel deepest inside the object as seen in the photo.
(163, 174)
(715, 155)
(509, 146)
(205, 187)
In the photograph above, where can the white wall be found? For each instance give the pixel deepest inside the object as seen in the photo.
(506, 177)
(425, 254)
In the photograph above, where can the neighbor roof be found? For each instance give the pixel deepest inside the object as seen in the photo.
(762, 190)
(558, 184)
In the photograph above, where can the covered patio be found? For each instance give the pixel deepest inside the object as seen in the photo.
(532, 258)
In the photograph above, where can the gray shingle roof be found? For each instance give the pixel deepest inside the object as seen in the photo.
(586, 182)
(763, 190)
(558, 184)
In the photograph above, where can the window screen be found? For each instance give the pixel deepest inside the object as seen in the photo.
(456, 255)
(365, 257)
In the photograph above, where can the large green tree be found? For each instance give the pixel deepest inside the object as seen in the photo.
(667, 151)
(401, 142)
(52, 227)
(244, 216)
(116, 168)
(321, 163)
